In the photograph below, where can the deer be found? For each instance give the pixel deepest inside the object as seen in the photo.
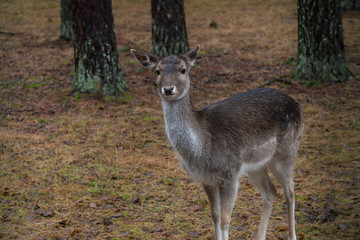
(249, 134)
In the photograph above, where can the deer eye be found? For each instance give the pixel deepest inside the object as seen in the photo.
(183, 71)
(158, 72)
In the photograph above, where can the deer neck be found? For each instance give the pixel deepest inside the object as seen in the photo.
(183, 128)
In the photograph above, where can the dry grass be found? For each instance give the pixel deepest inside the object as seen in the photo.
(80, 167)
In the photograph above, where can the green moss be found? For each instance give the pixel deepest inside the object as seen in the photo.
(149, 119)
(123, 49)
(40, 120)
(96, 68)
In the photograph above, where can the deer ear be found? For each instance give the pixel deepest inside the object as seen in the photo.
(192, 55)
(147, 60)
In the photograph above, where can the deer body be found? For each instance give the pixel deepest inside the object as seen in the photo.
(247, 134)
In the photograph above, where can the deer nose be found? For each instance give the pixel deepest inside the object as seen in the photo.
(168, 90)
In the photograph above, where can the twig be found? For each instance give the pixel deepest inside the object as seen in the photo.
(20, 110)
(35, 111)
(11, 33)
(271, 80)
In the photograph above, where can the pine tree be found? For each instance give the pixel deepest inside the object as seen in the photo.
(168, 28)
(96, 58)
(66, 14)
(321, 55)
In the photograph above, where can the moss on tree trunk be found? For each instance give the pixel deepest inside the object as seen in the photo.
(96, 58)
(168, 28)
(321, 56)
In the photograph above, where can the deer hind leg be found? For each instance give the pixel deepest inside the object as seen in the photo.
(267, 189)
(283, 174)
(214, 198)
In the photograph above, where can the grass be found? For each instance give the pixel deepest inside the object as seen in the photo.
(83, 167)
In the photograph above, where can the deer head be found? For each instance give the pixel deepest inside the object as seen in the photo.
(172, 72)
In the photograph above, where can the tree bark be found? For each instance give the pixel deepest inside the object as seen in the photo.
(96, 58)
(321, 56)
(66, 14)
(168, 28)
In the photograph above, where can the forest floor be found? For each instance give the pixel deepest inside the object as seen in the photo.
(88, 167)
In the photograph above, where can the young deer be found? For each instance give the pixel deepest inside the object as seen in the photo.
(247, 134)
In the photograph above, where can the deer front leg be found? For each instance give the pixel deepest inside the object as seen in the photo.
(228, 192)
(214, 198)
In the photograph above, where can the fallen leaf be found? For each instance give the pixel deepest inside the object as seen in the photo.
(93, 205)
(136, 200)
(107, 221)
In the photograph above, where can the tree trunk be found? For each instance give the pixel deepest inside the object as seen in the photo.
(321, 56)
(168, 28)
(66, 14)
(96, 58)
(350, 4)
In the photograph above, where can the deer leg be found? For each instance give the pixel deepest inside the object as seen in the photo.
(284, 177)
(228, 192)
(214, 198)
(267, 189)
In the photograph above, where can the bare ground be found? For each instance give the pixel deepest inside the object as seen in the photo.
(85, 167)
